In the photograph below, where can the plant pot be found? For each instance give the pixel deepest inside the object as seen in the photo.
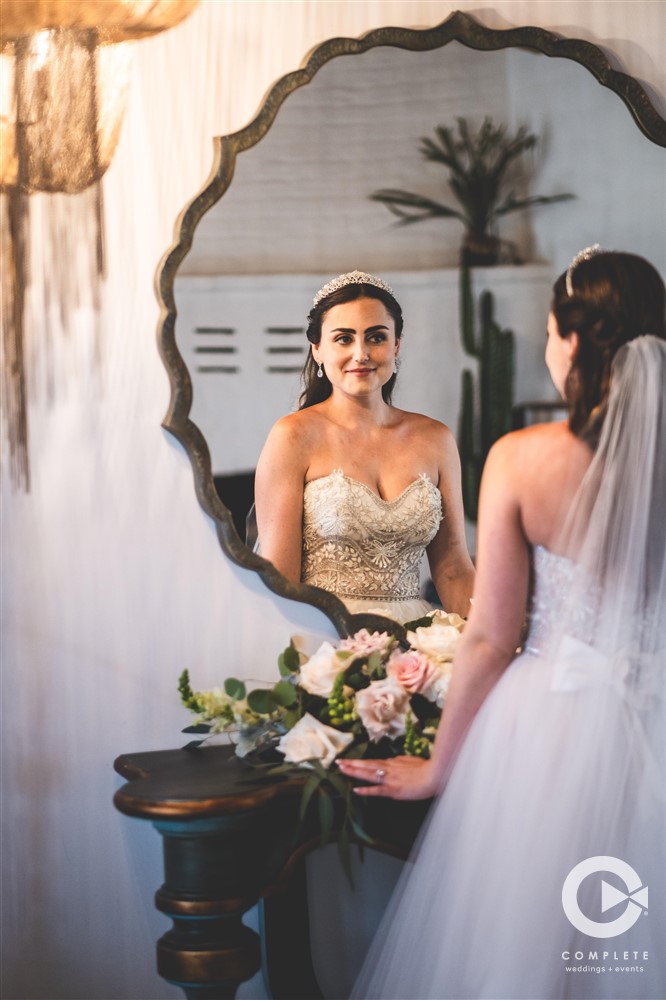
(480, 250)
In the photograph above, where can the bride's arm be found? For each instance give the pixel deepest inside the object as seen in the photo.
(450, 565)
(489, 641)
(278, 496)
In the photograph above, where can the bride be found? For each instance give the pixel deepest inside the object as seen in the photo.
(531, 877)
(350, 490)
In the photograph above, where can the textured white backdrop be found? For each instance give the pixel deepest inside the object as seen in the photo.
(112, 580)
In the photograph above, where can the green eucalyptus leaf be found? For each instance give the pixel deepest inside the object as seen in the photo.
(292, 659)
(262, 702)
(285, 694)
(282, 666)
(234, 688)
(292, 717)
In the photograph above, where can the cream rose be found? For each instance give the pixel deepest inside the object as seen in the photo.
(310, 739)
(413, 671)
(437, 690)
(318, 674)
(382, 707)
(437, 641)
(440, 617)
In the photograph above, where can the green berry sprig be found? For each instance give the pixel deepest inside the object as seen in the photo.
(340, 706)
(416, 745)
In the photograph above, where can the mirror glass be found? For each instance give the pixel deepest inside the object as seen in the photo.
(298, 212)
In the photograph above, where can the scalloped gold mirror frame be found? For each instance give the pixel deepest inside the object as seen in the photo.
(457, 27)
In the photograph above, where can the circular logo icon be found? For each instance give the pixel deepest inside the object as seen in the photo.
(635, 897)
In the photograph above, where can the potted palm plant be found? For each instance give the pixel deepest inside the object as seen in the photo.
(477, 164)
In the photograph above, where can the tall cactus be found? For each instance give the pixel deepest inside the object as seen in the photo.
(485, 415)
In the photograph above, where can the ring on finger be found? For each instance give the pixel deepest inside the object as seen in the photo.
(380, 774)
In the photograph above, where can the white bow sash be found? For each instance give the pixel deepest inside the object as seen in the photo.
(579, 666)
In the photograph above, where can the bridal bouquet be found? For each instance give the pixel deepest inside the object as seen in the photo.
(366, 696)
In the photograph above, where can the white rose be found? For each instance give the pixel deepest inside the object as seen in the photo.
(437, 690)
(437, 641)
(382, 708)
(318, 674)
(310, 739)
(440, 617)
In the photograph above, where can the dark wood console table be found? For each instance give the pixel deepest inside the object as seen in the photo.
(230, 843)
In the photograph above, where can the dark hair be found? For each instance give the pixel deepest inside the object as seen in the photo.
(316, 390)
(616, 298)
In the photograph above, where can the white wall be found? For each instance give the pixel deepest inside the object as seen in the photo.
(112, 581)
(299, 200)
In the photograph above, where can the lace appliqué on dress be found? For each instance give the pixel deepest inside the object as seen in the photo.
(357, 545)
(554, 576)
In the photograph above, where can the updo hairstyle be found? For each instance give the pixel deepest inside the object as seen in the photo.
(316, 390)
(616, 297)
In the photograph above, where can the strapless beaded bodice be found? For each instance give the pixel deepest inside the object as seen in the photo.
(553, 576)
(357, 545)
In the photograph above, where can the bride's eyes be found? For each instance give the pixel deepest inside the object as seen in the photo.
(373, 338)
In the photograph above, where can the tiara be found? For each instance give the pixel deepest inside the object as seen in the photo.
(351, 278)
(578, 259)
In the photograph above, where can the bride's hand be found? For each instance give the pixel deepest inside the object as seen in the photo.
(397, 778)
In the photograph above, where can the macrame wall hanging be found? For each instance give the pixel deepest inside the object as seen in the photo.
(64, 79)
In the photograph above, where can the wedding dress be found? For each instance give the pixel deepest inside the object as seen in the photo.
(532, 874)
(367, 550)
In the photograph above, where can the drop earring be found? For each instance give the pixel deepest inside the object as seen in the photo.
(320, 371)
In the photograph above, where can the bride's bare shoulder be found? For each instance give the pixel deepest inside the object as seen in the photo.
(290, 437)
(536, 438)
(423, 426)
(539, 454)
(296, 431)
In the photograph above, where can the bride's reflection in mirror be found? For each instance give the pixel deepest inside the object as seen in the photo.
(350, 490)
(299, 200)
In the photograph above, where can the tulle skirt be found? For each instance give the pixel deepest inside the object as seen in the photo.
(544, 780)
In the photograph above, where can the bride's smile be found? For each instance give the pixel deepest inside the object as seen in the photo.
(351, 491)
(358, 345)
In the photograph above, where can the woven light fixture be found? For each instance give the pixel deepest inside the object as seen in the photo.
(64, 79)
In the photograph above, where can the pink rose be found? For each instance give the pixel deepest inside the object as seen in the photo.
(413, 670)
(382, 708)
(364, 643)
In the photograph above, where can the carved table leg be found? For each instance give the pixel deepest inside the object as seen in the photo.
(209, 883)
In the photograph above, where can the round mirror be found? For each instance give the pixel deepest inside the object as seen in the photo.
(242, 273)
